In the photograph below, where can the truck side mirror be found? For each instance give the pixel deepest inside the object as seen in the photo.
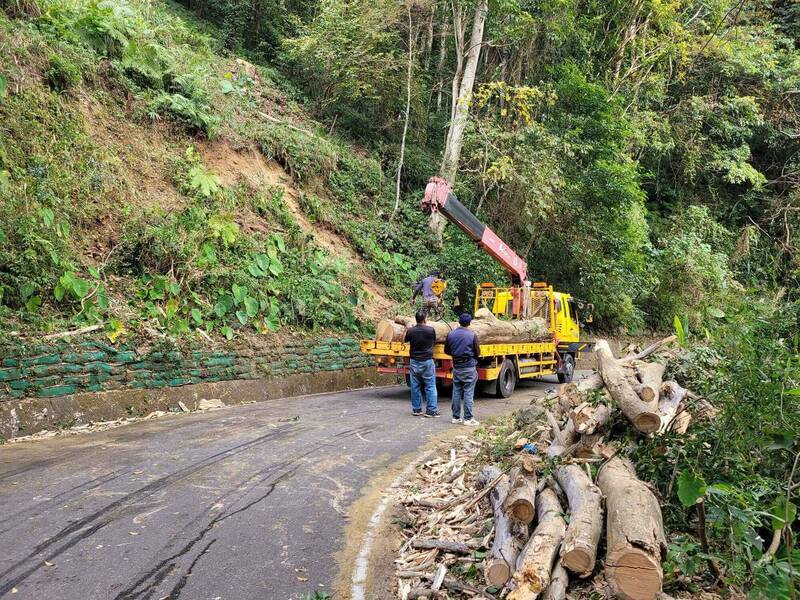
(586, 311)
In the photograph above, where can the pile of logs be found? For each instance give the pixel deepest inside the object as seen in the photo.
(490, 329)
(549, 513)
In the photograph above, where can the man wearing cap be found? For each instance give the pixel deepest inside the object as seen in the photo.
(422, 369)
(462, 345)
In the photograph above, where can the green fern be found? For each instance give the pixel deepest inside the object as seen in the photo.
(203, 181)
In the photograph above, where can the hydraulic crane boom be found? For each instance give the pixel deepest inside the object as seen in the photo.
(439, 197)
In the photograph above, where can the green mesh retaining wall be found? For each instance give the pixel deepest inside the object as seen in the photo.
(63, 368)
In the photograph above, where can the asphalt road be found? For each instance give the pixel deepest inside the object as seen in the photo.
(244, 503)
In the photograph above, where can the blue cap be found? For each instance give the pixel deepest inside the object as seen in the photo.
(465, 319)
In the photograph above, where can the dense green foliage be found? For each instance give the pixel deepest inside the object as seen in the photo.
(600, 131)
(641, 156)
(743, 461)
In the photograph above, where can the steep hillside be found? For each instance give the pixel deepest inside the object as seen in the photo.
(153, 183)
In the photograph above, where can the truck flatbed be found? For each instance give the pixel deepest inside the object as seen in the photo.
(504, 363)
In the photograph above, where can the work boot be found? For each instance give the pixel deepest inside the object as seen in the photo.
(433, 414)
(472, 422)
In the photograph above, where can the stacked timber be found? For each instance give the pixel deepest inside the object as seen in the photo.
(550, 513)
(488, 328)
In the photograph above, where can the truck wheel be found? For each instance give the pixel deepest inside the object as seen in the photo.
(567, 369)
(507, 380)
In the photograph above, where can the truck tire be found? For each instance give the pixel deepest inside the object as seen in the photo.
(567, 369)
(507, 379)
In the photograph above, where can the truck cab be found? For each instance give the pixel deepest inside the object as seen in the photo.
(559, 309)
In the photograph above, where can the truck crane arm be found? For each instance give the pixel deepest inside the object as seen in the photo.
(439, 197)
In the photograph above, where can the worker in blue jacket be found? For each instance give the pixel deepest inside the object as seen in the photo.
(462, 344)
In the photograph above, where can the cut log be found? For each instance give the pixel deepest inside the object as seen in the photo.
(442, 328)
(579, 548)
(388, 331)
(635, 544)
(488, 328)
(588, 419)
(592, 382)
(491, 330)
(559, 580)
(535, 563)
(502, 556)
(672, 396)
(650, 375)
(643, 415)
(589, 446)
(521, 501)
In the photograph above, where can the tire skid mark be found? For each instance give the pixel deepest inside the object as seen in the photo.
(81, 488)
(156, 575)
(91, 524)
(363, 430)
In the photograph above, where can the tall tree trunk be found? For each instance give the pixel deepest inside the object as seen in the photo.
(429, 40)
(440, 67)
(408, 112)
(460, 107)
(458, 40)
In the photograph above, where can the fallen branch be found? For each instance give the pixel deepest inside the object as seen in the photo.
(420, 592)
(700, 505)
(73, 333)
(559, 580)
(448, 582)
(650, 349)
(443, 545)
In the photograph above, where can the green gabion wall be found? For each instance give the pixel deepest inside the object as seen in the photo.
(60, 369)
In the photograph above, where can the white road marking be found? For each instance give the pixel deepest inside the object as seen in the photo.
(361, 569)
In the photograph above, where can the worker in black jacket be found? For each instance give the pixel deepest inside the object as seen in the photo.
(462, 344)
(422, 369)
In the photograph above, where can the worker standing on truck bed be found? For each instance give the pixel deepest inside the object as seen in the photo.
(422, 369)
(432, 288)
(462, 344)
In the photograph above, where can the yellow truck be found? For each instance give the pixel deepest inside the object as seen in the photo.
(500, 366)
